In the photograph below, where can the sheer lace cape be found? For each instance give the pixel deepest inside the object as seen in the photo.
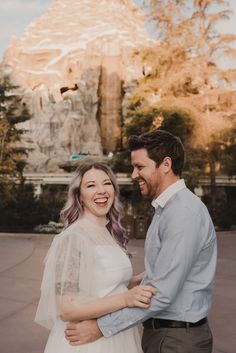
(67, 268)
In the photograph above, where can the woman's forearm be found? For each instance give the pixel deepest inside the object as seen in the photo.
(72, 310)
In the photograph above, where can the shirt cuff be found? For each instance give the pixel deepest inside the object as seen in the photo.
(108, 330)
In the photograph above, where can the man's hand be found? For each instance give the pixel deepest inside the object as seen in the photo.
(82, 332)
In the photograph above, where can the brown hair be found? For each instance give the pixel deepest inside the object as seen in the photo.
(160, 144)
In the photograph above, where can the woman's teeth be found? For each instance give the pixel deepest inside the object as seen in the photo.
(103, 200)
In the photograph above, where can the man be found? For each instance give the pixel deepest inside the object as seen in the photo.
(180, 257)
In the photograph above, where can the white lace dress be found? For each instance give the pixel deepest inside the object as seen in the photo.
(86, 263)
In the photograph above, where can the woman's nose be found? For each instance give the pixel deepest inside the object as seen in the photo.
(101, 189)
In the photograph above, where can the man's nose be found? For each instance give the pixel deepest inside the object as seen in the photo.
(134, 174)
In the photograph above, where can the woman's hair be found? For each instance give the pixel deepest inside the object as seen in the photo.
(160, 144)
(74, 210)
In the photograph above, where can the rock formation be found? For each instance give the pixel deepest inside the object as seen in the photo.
(76, 63)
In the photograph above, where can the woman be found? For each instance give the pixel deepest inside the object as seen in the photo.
(87, 269)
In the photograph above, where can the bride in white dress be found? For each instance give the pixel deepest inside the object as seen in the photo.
(87, 269)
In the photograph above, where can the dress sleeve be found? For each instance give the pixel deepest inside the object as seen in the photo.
(60, 281)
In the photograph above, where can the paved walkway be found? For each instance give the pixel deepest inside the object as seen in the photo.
(21, 258)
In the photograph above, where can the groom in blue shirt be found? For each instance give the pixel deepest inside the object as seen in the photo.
(180, 257)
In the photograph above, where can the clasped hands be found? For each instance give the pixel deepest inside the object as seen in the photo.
(78, 333)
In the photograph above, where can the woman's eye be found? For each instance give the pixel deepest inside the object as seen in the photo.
(90, 186)
(108, 183)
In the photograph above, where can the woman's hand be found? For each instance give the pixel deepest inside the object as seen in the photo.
(135, 280)
(139, 296)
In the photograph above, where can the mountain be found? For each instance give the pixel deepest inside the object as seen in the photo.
(77, 64)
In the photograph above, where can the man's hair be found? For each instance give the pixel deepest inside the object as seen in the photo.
(160, 144)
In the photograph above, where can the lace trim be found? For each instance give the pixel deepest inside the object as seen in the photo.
(66, 288)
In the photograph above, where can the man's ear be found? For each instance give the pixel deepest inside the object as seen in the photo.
(167, 164)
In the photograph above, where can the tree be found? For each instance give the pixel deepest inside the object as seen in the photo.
(20, 209)
(12, 154)
(219, 157)
(184, 89)
(185, 85)
(12, 113)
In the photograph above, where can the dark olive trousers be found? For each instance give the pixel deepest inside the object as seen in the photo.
(177, 340)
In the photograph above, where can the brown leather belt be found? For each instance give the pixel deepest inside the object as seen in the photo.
(157, 323)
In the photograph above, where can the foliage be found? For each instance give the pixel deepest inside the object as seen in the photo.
(12, 113)
(21, 210)
(183, 63)
(17, 199)
(51, 201)
(120, 162)
(224, 214)
(185, 90)
(18, 207)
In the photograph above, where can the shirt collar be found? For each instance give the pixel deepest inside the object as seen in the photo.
(162, 199)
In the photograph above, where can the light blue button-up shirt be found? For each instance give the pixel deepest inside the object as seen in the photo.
(180, 261)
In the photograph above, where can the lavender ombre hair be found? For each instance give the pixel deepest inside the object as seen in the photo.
(74, 210)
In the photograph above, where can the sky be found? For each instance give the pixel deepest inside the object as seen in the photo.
(15, 16)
